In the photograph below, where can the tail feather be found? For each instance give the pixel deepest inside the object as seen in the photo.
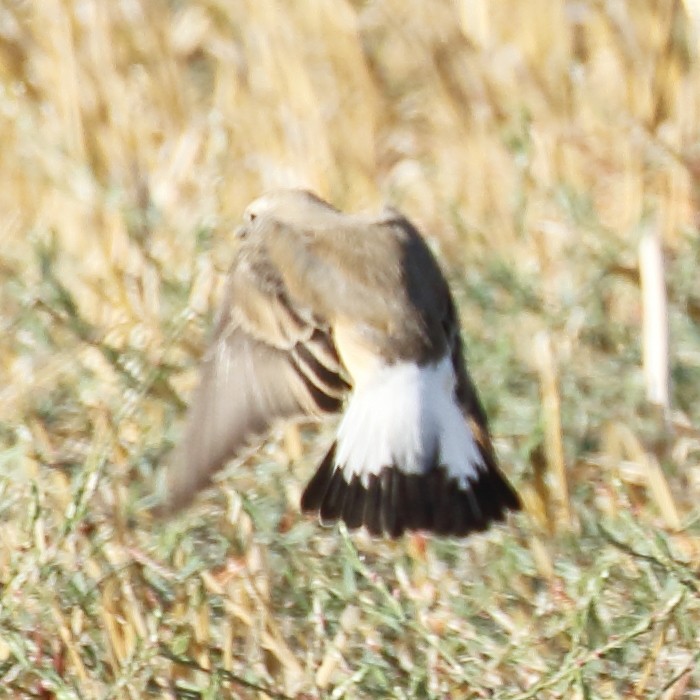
(372, 516)
(334, 498)
(395, 502)
(315, 490)
(407, 458)
(354, 505)
(392, 516)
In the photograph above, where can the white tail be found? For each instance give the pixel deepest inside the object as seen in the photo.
(406, 416)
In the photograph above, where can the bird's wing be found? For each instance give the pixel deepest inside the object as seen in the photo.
(269, 358)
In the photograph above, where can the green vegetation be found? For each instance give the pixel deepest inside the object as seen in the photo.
(535, 143)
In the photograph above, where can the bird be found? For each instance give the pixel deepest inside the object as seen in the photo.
(325, 313)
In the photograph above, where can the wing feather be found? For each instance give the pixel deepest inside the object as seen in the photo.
(269, 359)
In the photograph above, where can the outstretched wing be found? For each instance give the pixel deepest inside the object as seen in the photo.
(269, 359)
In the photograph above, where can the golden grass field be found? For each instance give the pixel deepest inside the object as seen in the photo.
(537, 144)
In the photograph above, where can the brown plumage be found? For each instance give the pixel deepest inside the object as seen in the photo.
(319, 306)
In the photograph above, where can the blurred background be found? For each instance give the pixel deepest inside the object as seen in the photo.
(550, 150)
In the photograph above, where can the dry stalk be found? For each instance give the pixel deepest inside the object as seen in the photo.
(551, 418)
(622, 444)
(655, 319)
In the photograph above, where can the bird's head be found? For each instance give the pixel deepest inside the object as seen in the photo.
(290, 206)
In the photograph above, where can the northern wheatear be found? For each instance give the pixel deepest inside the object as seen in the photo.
(325, 311)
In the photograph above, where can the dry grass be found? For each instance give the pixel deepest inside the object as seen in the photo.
(537, 142)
